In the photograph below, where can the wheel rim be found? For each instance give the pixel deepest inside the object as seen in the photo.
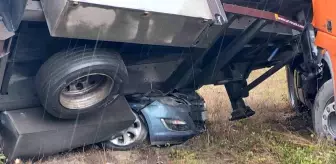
(329, 120)
(86, 91)
(129, 135)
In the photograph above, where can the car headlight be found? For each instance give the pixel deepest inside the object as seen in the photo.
(175, 125)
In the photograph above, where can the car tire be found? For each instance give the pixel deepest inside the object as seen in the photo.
(80, 81)
(323, 113)
(137, 134)
(294, 101)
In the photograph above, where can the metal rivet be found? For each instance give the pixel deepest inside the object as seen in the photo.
(145, 14)
(219, 19)
(328, 109)
(324, 117)
(75, 3)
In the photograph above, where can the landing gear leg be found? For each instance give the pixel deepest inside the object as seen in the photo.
(239, 109)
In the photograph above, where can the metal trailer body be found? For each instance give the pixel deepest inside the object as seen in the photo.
(145, 22)
(174, 49)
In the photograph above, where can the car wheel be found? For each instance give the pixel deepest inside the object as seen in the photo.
(324, 114)
(293, 99)
(80, 81)
(132, 137)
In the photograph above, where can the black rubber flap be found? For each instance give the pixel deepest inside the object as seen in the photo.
(34, 133)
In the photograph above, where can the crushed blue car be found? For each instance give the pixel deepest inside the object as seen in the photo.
(162, 121)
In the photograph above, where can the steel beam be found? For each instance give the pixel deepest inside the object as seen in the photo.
(33, 11)
(181, 76)
(260, 14)
(11, 12)
(229, 52)
(4, 33)
(270, 72)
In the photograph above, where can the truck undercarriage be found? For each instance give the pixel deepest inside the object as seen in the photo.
(66, 52)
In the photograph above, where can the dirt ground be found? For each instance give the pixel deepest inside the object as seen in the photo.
(274, 135)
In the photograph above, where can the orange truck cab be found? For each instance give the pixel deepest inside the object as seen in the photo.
(312, 79)
(324, 20)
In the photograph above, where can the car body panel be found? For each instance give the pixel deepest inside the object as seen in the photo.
(168, 108)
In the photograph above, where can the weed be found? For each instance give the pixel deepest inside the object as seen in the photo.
(312, 154)
(183, 156)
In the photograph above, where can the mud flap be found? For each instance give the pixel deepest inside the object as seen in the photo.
(331, 61)
(33, 133)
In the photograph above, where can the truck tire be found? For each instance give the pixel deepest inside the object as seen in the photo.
(294, 101)
(80, 81)
(323, 114)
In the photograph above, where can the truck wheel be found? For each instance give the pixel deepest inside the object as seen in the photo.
(323, 114)
(80, 81)
(293, 99)
(133, 137)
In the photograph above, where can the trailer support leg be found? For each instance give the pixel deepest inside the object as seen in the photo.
(239, 109)
(237, 90)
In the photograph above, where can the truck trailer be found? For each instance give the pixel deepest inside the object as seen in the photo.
(81, 72)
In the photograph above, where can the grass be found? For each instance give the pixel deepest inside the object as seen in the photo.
(274, 135)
